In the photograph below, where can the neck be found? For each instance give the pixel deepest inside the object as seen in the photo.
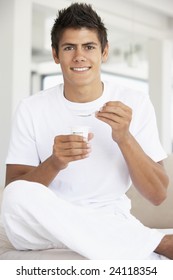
(83, 94)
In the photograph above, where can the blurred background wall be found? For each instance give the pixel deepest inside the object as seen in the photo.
(140, 34)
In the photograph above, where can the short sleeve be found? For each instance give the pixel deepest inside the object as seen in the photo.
(146, 130)
(22, 147)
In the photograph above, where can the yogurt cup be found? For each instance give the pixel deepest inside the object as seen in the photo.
(80, 130)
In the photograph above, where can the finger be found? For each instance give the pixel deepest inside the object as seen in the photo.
(109, 120)
(115, 113)
(112, 112)
(118, 110)
(74, 152)
(90, 136)
(67, 155)
(113, 119)
(75, 158)
(70, 152)
(61, 139)
(118, 104)
(73, 145)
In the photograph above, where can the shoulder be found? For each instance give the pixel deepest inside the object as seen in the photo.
(128, 95)
(39, 103)
(42, 99)
(44, 95)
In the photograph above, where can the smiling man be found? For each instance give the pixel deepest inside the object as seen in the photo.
(80, 56)
(64, 190)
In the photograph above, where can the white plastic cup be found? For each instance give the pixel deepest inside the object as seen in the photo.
(80, 130)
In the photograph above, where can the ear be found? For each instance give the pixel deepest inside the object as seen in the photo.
(105, 53)
(55, 57)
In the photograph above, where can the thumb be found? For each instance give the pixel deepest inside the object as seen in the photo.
(90, 136)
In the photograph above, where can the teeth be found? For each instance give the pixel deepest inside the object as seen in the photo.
(81, 69)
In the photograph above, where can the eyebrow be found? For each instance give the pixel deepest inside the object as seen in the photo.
(85, 44)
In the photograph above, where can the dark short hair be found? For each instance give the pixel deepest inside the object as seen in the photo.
(78, 15)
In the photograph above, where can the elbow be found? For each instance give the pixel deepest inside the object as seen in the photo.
(161, 197)
(157, 198)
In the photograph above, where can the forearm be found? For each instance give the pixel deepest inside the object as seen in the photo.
(43, 173)
(147, 176)
(66, 149)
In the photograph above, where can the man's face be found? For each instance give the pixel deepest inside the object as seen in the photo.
(80, 56)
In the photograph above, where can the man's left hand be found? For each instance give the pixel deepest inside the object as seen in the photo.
(118, 116)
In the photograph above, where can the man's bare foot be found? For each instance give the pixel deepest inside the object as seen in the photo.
(165, 247)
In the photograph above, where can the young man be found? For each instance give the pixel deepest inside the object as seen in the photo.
(66, 190)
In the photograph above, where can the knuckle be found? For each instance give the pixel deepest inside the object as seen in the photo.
(69, 137)
(72, 152)
(130, 112)
(130, 117)
(70, 145)
(56, 139)
(118, 103)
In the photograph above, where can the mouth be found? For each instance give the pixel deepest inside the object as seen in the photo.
(80, 69)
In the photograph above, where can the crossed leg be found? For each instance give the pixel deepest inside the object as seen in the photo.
(35, 218)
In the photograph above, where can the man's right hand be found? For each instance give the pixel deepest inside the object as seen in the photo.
(68, 148)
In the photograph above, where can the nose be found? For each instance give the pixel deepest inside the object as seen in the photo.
(79, 56)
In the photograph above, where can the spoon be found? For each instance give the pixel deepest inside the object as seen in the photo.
(87, 115)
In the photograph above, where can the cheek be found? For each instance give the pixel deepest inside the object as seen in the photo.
(65, 58)
(94, 59)
(64, 69)
(65, 63)
(98, 62)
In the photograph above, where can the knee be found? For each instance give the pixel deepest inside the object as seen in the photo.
(12, 196)
(19, 193)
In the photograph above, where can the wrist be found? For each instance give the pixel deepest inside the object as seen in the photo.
(125, 141)
(56, 164)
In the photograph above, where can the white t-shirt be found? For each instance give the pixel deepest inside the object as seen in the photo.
(102, 177)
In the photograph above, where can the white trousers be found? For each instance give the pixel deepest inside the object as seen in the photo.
(35, 218)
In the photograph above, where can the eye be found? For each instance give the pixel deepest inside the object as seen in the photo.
(69, 48)
(90, 47)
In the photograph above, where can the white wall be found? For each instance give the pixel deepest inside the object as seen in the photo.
(160, 84)
(6, 57)
(15, 57)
